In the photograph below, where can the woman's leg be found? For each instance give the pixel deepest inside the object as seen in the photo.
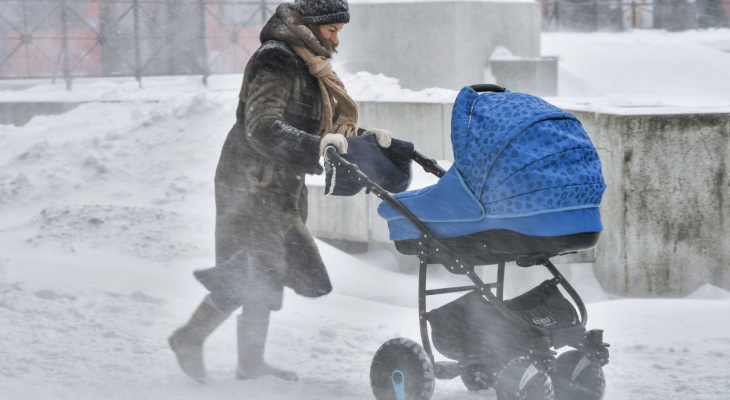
(253, 326)
(187, 341)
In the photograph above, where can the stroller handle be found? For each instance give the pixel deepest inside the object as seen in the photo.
(353, 171)
(487, 87)
(429, 164)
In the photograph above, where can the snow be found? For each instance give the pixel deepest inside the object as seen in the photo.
(645, 71)
(106, 210)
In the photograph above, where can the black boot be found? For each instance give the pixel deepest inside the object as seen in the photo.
(187, 341)
(251, 342)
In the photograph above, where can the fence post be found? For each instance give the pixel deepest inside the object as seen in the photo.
(64, 45)
(202, 27)
(137, 56)
(264, 9)
(172, 20)
(633, 14)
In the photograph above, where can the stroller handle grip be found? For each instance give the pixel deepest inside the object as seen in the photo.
(329, 153)
(487, 87)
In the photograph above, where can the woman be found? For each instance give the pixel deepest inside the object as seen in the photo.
(291, 107)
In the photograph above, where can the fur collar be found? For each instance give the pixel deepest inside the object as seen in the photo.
(288, 26)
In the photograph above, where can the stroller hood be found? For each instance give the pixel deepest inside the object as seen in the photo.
(519, 155)
(520, 164)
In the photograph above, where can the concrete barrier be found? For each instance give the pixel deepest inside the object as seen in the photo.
(428, 125)
(666, 211)
(20, 113)
(445, 44)
(536, 76)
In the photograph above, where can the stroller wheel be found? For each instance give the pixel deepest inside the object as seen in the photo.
(522, 380)
(578, 378)
(402, 370)
(476, 376)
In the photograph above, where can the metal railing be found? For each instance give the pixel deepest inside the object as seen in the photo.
(621, 15)
(79, 38)
(104, 38)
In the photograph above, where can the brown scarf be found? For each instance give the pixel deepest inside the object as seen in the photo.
(339, 111)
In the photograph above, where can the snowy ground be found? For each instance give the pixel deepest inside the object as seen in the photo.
(106, 210)
(643, 71)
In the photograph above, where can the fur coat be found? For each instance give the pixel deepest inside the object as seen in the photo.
(262, 243)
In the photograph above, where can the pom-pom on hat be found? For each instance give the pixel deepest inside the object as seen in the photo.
(323, 12)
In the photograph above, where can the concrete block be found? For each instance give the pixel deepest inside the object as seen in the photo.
(666, 210)
(338, 217)
(346, 219)
(446, 132)
(20, 113)
(444, 44)
(420, 123)
(536, 76)
(379, 232)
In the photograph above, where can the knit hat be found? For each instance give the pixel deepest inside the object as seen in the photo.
(324, 12)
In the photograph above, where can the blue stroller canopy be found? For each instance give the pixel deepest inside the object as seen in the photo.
(520, 163)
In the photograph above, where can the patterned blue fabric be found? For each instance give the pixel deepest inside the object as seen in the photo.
(519, 154)
(520, 163)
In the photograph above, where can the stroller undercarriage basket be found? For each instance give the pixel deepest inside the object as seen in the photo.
(470, 328)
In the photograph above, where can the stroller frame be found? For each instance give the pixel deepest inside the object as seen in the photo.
(590, 343)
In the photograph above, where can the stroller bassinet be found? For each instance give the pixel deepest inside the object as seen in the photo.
(523, 170)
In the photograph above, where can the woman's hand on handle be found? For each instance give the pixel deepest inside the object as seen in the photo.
(333, 139)
(382, 136)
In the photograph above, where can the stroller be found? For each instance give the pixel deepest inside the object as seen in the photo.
(525, 186)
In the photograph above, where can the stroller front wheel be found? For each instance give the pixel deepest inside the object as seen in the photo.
(520, 379)
(402, 370)
(578, 378)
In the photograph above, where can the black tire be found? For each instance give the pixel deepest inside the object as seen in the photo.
(476, 376)
(402, 370)
(521, 380)
(589, 383)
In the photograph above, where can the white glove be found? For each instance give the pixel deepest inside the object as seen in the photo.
(333, 139)
(381, 136)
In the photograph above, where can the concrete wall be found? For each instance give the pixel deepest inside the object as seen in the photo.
(666, 211)
(20, 113)
(667, 207)
(444, 44)
(535, 76)
(428, 125)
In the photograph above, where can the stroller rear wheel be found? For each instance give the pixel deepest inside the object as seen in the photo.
(520, 379)
(476, 376)
(578, 378)
(402, 370)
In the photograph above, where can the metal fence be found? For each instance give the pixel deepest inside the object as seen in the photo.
(67, 39)
(80, 38)
(620, 15)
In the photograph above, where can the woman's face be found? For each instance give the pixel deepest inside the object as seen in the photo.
(329, 33)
